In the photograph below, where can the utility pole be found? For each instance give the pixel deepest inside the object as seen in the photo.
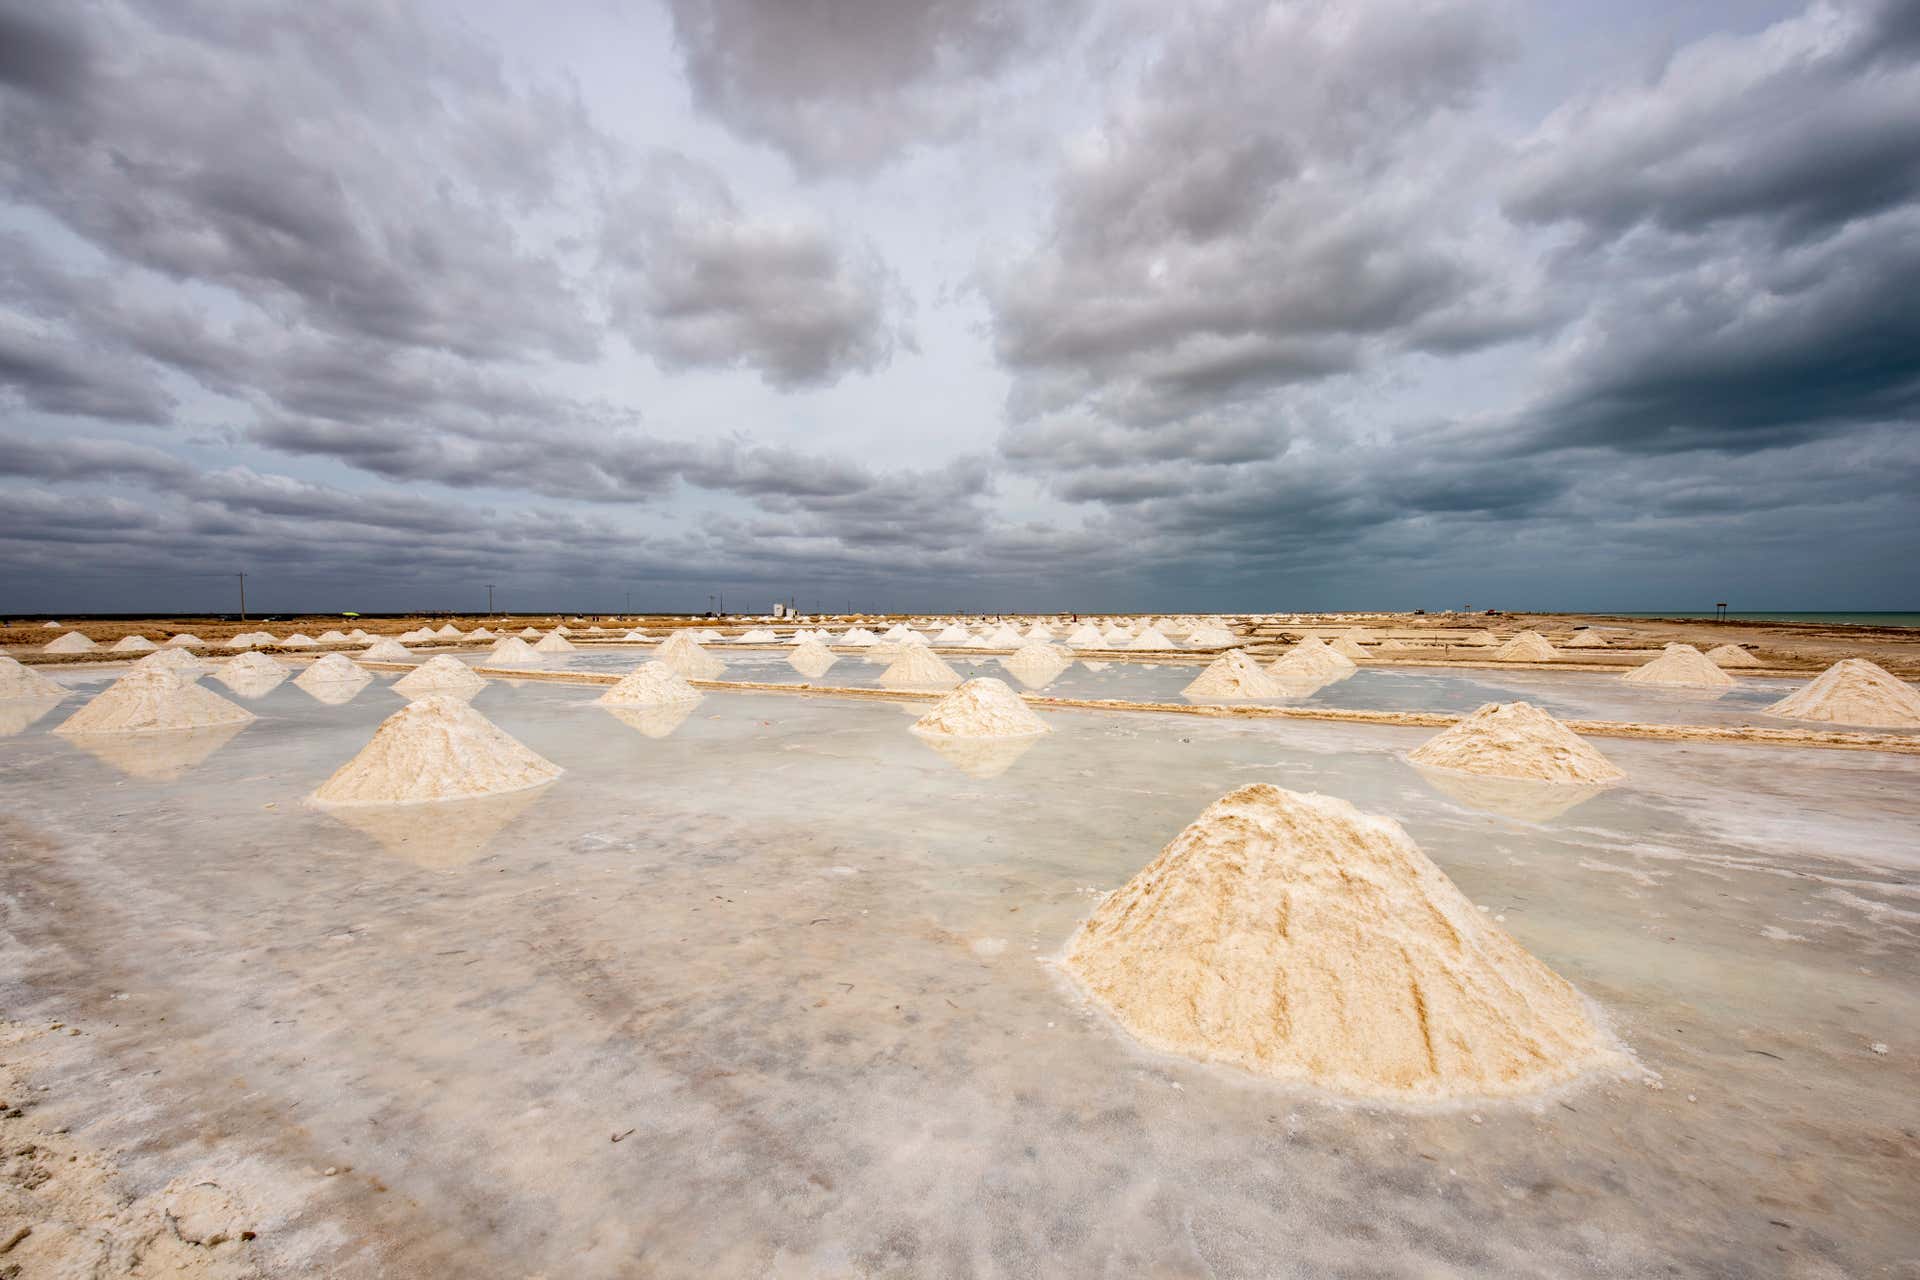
(629, 600)
(243, 595)
(489, 599)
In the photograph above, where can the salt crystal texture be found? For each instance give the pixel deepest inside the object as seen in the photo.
(982, 708)
(1854, 691)
(150, 701)
(436, 748)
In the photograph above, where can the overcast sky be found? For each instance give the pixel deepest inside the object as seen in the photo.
(928, 304)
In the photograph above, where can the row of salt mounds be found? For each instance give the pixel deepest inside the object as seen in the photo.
(554, 642)
(1294, 936)
(21, 683)
(1210, 638)
(1732, 655)
(132, 644)
(1150, 639)
(1587, 638)
(386, 649)
(811, 658)
(1233, 675)
(250, 674)
(1087, 636)
(513, 652)
(445, 674)
(684, 654)
(437, 748)
(1309, 659)
(332, 669)
(150, 701)
(651, 684)
(1681, 665)
(918, 667)
(1854, 691)
(1515, 740)
(1528, 646)
(982, 708)
(71, 642)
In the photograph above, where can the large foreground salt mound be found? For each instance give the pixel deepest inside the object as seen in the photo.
(71, 642)
(150, 700)
(918, 667)
(1855, 691)
(982, 708)
(684, 654)
(19, 682)
(1732, 655)
(1297, 937)
(444, 674)
(1233, 675)
(436, 748)
(1681, 665)
(1528, 646)
(651, 684)
(1515, 740)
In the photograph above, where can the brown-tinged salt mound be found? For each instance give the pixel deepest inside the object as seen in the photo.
(1732, 655)
(178, 661)
(651, 684)
(387, 650)
(333, 637)
(1855, 691)
(811, 659)
(133, 644)
(481, 633)
(71, 642)
(1210, 638)
(1347, 648)
(513, 652)
(1528, 646)
(1681, 665)
(333, 669)
(684, 654)
(21, 683)
(982, 708)
(186, 638)
(442, 675)
(1515, 740)
(918, 667)
(528, 633)
(299, 640)
(436, 748)
(554, 643)
(1311, 657)
(1587, 638)
(152, 700)
(1233, 675)
(1297, 937)
(250, 674)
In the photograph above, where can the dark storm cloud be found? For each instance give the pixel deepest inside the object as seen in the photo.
(843, 86)
(40, 52)
(37, 458)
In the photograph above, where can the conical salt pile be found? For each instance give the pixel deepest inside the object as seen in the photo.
(1233, 675)
(651, 684)
(178, 661)
(563, 629)
(918, 667)
(151, 700)
(1115, 638)
(1311, 657)
(1347, 648)
(71, 642)
(481, 633)
(983, 708)
(1150, 639)
(1005, 637)
(1036, 664)
(952, 635)
(529, 633)
(761, 635)
(1087, 636)
(858, 636)
(811, 659)
(242, 641)
(21, 683)
(1681, 665)
(386, 650)
(332, 637)
(1294, 936)
(335, 668)
(1855, 691)
(1515, 740)
(1210, 638)
(444, 674)
(1359, 635)
(1587, 638)
(448, 631)
(555, 643)
(299, 640)
(1732, 655)
(133, 644)
(1528, 646)
(894, 634)
(250, 674)
(437, 748)
(1039, 631)
(684, 654)
(512, 652)
(186, 639)
(51, 625)
(636, 635)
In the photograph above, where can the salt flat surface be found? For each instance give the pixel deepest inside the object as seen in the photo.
(797, 958)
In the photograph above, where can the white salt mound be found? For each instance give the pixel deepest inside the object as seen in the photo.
(299, 640)
(918, 667)
(481, 633)
(761, 635)
(242, 641)
(982, 708)
(1732, 655)
(529, 633)
(186, 638)
(858, 636)
(1210, 638)
(1294, 936)
(448, 631)
(1515, 740)
(1150, 639)
(1086, 636)
(1587, 638)
(333, 669)
(1528, 646)
(21, 683)
(1347, 647)
(437, 748)
(71, 642)
(1855, 691)
(636, 634)
(555, 643)
(953, 634)
(178, 661)
(386, 650)
(811, 659)
(133, 644)
(332, 637)
(1233, 675)
(152, 700)
(250, 673)
(1311, 657)
(512, 652)
(684, 654)
(651, 684)
(50, 625)
(1681, 665)
(444, 674)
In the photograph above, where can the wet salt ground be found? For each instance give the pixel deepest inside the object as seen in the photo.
(799, 955)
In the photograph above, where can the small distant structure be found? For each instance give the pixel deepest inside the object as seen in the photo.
(1720, 610)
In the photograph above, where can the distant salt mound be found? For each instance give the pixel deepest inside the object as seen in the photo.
(386, 650)
(132, 644)
(976, 642)
(1115, 638)
(894, 634)
(982, 708)
(50, 625)
(332, 637)
(858, 636)
(636, 635)
(1210, 638)
(298, 640)
(1515, 740)
(1854, 691)
(1294, 936)
(761, 635)
(1683, 666)
(1347, 648)
(918, 667)
(71, 642)
(1005, 637)
(529, 633)
(21, 683)
(651, 684)
(178, 661)
(561, 629)
(1528, 646)
(153, 700)
(445, 674)
(250, 674)
(335, 668)
(448, 631)
(1587, 638)
(513, 652)
(1036, 664)
(186, 639)
(1039, 631)
(1087, 636)
(1732, 655)
(1311, 658)
(684, 654)
(1150, 639)
(952, 635)
(1359, 635)
(811, 659)
(1233, 675)
(554, 643)
(242, 641)
(435, 749)
(481, 633)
